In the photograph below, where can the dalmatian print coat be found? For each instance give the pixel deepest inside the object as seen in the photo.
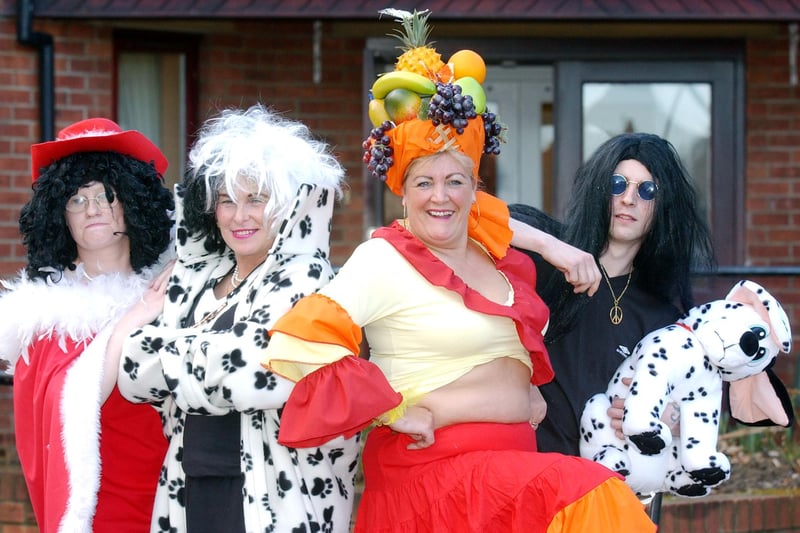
(193, 370)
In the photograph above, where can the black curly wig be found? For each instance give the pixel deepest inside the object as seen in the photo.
(148, 207)
(199, 222)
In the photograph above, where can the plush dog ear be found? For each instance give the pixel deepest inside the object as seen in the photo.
(760, 400)
(768, 307)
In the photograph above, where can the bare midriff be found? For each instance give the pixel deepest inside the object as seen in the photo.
(497, 391)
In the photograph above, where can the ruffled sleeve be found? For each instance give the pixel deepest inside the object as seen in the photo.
(488, 224)
(337, 393)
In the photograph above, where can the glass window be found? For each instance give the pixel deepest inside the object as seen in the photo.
(154, 93)
(696, 105)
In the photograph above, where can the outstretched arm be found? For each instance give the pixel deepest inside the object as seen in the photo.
(579, 267)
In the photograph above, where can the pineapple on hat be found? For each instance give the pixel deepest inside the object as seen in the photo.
(418, 55)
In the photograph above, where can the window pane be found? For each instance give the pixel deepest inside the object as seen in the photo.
(151, 85)
(678, 112)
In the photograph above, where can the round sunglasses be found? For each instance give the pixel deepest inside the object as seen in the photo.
(646, 189)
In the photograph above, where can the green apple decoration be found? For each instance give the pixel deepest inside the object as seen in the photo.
(470, 86)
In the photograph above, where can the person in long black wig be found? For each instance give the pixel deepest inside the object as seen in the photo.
(98, 233)
(635, 209)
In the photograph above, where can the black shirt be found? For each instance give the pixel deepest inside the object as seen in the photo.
(587, 357)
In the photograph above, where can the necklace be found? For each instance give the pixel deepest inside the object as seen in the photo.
(615, 314)
(213, 314)
(235, 279)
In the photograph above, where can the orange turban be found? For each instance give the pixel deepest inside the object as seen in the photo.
(415, 138)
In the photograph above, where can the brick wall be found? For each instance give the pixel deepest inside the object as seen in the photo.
(272, 62)
(772, 206)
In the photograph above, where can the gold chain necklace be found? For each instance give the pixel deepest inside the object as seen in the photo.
(615, 314)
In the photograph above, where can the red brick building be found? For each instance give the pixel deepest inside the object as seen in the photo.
(719, 79)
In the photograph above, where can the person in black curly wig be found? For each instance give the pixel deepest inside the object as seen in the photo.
(97, 231)
(635, 209)
(135, 184)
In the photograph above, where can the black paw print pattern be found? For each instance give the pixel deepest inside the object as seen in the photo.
(157, 393)
(284, 484)
(342, 485)
(172, 383)
(323, 198)
(233, 361)
(239, 329)
(315, 458)
(175, 292)
(151, 345)
(162, 476)
(164, 525)
(200, 265)
(198, 372)
(246, 459)
(257, 420)
(279, 281)
(261, 337)
(322, 487)
(262, 315)
(334, 454)
(305, 226)
(177, 491)
(314, 270)
(320, 254)
(131, 368)
(265, 380)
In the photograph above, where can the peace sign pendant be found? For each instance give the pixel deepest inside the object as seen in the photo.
(615, 315)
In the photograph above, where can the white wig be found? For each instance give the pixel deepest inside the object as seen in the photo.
(276, 153)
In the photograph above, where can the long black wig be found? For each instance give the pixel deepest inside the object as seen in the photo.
(147, 204)
(677, 243)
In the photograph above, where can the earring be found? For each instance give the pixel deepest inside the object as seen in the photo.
(405, 215)
(474, 219)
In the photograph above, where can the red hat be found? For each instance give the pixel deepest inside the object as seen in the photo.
(96, 135)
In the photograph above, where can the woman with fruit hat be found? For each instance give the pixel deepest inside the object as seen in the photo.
(96, 229)
(454, 327)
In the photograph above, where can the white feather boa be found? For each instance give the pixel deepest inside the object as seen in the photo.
(84, 311)
(73, 307)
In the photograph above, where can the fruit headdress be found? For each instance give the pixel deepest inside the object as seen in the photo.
(426, 106)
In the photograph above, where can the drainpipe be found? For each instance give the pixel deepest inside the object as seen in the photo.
(44, 43)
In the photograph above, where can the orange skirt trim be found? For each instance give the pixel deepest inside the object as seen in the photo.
(609, 507)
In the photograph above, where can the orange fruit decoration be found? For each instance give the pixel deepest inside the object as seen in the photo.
(467, 63)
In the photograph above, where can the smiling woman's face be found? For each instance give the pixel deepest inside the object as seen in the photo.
(438, 195)
(241, 221)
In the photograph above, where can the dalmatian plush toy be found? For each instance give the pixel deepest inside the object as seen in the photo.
(733, 340)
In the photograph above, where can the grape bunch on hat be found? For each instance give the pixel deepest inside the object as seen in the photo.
(426, 106)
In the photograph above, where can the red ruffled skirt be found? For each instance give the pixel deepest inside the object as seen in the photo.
(487, 477)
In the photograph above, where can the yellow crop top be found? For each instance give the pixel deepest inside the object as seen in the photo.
(421, 336)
